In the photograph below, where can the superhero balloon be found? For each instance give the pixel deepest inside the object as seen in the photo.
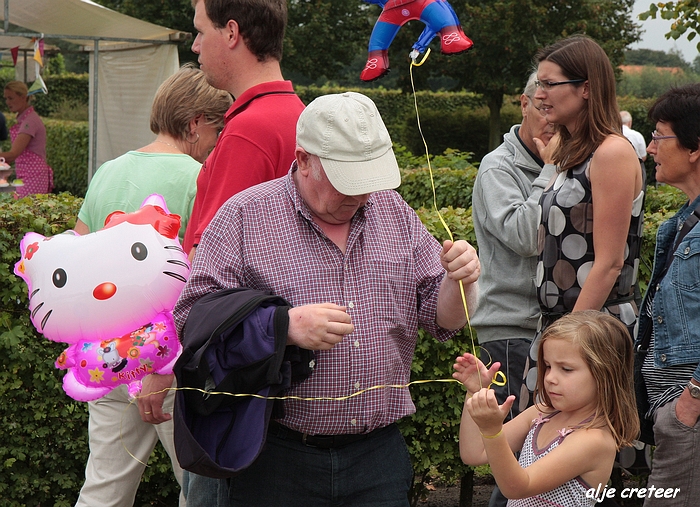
(439, 18)
(94, 289)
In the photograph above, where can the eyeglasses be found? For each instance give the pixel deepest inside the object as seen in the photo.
(655, 137)
(548, 85)
(539, 109)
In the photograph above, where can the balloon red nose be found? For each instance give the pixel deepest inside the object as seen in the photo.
(104, 291)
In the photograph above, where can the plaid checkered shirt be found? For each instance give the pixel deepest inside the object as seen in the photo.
(389, 278)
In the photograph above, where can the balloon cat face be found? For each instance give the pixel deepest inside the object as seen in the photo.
(107, 283)
(110, 295)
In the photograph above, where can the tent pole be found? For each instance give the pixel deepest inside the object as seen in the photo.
(95, 80)
(7, 16)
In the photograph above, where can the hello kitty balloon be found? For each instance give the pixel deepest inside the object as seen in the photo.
(95, 368)
(104, 288)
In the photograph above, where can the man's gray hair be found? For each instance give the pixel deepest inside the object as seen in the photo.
(626, 118)
(531, 87)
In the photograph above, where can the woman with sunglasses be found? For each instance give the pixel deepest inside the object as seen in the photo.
(592, 211)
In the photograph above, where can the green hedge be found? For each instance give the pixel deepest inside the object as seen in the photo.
(67, 149)
(70, 88)
(449, 120)
(44, 446)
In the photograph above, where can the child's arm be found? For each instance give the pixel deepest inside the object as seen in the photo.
(471, 372)
(587, 453)
(482, 421)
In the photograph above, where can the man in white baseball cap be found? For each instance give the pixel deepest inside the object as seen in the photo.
(362, 274)
(346, 132)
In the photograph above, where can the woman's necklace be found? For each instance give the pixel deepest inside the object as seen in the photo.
(171, 145)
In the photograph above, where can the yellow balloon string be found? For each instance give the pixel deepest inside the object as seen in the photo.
(499, 380)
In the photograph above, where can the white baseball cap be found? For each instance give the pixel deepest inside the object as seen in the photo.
(347, 133)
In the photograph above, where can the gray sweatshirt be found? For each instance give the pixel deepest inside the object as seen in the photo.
(506, 214)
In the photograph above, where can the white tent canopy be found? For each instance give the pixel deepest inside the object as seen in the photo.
(129, 59)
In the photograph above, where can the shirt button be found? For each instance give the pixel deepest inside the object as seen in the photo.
(357, 344)
(351, 305)
(663, 358)
(660, 319)
(687, 250)
(353, 422)
(357, 385)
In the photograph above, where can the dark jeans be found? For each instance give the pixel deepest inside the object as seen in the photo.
(373, 472)
(512, 354)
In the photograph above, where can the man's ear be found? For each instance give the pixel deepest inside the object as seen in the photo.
(232, 32)
(303, 165)
(524, 102)
(695, 154)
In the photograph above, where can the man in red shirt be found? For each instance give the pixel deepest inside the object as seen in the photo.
(239, 44)
(240, 47)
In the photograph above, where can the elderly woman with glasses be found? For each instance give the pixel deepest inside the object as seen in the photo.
(669, 320)
(591, 213)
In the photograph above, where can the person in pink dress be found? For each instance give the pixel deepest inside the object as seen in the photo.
(28, 149)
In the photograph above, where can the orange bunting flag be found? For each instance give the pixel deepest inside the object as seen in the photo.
(38, 50)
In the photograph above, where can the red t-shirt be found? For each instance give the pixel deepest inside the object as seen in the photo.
(256, 145)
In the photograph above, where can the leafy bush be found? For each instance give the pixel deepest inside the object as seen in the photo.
(73, 88)
(44, 447)
(432, 433)
(67, 153)
(653, 81)
(660, 204)
(462, 128)
(453, 176)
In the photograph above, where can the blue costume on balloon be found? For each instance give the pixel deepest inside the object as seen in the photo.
(439, 18)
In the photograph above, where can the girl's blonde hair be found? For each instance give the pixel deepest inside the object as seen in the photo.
(606, 347)
(580, 57)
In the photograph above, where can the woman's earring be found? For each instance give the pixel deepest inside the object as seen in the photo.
(196, 140)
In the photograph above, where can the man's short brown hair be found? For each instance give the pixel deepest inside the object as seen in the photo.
(261, 23)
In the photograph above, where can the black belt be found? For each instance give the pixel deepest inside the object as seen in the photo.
(319, 441)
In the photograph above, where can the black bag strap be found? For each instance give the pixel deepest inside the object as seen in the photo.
(687, 226)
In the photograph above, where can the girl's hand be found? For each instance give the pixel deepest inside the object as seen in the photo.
(471, 372)
(488, 415)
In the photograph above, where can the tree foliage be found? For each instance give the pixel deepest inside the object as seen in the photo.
(684, 13)
(324, 36)
(175, 14)
(655, 58)
(508, 33)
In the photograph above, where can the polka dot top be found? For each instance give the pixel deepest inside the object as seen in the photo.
(565, 247)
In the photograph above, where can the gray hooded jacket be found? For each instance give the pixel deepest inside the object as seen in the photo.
(506, 214)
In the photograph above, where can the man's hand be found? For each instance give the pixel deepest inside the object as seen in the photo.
(546, 152)
(318, 327)
(460, 261)
(688, 409)
(151, 405)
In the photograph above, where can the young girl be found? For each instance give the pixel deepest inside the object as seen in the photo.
(567, 441)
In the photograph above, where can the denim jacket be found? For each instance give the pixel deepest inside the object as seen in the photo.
(676, 296)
